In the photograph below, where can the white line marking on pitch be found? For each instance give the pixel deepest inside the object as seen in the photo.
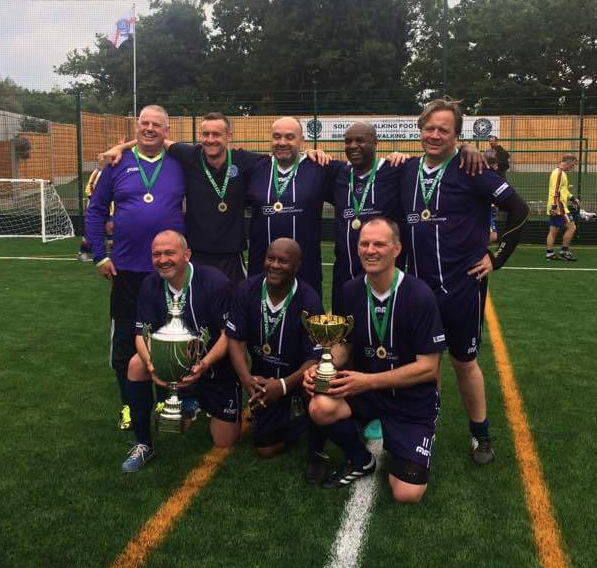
(35, 258)
(523, 268)
(352, 532)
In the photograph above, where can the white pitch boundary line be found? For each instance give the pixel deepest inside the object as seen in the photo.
(35, 258)
(351, 535)
(522, 268)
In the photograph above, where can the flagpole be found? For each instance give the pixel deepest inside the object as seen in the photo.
(135, 62)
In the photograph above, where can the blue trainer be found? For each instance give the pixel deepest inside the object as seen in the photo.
(190, 409)
(373, 430)
(138, 455)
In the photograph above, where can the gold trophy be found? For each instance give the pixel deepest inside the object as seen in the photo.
(326, 330)
(173, 351)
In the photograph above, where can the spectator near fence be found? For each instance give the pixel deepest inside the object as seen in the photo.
(499, 153)
(557, 209)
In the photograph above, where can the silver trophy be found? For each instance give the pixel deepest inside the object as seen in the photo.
(173, 351)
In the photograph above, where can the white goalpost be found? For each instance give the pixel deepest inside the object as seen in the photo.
(33, 208)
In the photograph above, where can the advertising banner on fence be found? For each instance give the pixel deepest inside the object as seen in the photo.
(394, 127)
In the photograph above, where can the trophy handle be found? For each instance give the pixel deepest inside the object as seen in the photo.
(350, 322)
(146, 336)
(304, 318)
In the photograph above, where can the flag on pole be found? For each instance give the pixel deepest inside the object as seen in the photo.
(123, 29)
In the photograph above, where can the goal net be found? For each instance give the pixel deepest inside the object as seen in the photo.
(32, 208)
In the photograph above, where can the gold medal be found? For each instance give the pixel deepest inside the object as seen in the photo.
(222, 207)
(381, 352)
(266, 348)
(148, 198)
(278, 206)
(426, 214)
(356, 224)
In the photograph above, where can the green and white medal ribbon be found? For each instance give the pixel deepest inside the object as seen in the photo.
(358, 206)
(148, 198)
(222, 207)
(280, 189)
(183, 297)
(380, 330)
(268, 330)
(427, 193)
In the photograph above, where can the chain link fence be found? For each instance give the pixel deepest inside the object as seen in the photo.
(535, 137)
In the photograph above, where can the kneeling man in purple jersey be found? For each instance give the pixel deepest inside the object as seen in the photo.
(395, 348)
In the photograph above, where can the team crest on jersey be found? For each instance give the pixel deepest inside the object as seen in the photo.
(482, 127)
(233, 171)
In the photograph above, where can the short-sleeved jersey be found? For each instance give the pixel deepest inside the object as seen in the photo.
(414, 328)
(382, 200)
(136, 223)
(442, 249)
(208, 229)
(300, 219)
(559, 194)
(207, 306)
(290, 344)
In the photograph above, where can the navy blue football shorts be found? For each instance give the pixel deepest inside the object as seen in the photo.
(408, 437)
(560, 220)
(220, 396)
(462, 310)
(272, 425)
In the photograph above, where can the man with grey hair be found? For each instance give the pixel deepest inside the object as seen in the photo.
(147, 188)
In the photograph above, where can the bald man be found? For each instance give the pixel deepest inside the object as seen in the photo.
(265, 322)
(286, 194)
(204, 292)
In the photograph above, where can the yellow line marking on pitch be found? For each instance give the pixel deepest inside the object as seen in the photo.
(545, 527)
(156, 528)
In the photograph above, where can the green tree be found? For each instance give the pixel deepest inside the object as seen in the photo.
(172, 46)
(508, 55)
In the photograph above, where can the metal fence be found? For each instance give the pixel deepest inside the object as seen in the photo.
(535, 137)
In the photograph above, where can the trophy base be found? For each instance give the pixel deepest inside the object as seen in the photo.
(178, 426)
(322, 386)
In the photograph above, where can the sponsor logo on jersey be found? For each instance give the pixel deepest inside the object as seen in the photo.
(500, 189)
(439, 338)
(413, 218)
(369, 352)
(348, 213)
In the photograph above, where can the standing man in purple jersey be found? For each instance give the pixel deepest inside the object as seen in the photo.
(147, 188)
(265, 323)
(286, 193)
(366, 187)
(390, 363)
(445, 216)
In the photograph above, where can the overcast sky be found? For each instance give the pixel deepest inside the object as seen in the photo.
(36, 35)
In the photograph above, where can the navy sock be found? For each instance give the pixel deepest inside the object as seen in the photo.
(479, 429)
(550, 251)
(345, 434)
(316, 438)
(123, 385)
(141, 403)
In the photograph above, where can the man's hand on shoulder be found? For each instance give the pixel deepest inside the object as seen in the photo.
(113, 156)
(397, 159)
(318, 156)
(471, 159)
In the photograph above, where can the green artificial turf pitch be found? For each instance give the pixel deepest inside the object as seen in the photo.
(64, 501)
